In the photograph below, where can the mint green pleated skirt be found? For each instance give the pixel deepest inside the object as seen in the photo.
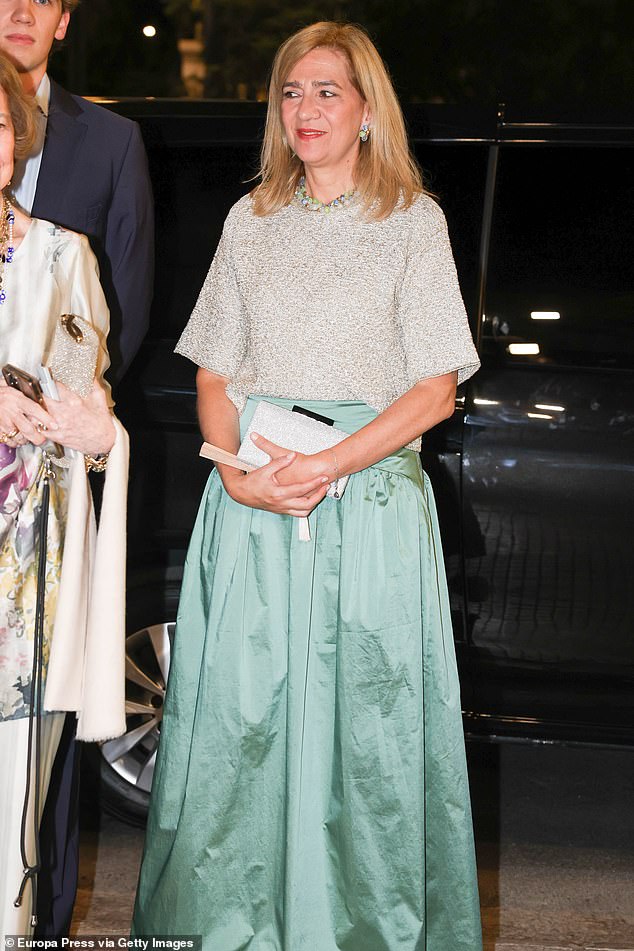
(310, 791)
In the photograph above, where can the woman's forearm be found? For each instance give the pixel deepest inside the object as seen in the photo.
(217, 415)
(420, 409)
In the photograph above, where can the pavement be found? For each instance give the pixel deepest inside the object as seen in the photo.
(555, 841)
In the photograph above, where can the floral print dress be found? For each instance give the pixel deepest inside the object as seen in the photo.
(21, 488)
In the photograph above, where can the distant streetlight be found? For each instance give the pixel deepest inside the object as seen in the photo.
(149, 30)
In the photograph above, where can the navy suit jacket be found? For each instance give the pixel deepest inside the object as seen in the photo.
(94, 179)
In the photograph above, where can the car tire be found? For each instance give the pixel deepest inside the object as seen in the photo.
(122, 769)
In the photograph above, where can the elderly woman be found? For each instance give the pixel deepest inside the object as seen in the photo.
(77, 629)
(311, 790)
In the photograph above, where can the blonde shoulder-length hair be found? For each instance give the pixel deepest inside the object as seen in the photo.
(21, 107)
(386, 172)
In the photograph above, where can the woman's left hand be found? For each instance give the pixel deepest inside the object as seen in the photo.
(304, 468)
(85, 423)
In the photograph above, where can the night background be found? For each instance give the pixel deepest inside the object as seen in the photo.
(544, 53)
(536, 507)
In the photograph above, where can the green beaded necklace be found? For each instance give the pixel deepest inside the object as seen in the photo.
(314, 204)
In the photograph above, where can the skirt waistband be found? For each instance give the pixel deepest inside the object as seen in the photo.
(349, 416)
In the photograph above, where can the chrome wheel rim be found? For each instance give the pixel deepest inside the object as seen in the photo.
(133, 755)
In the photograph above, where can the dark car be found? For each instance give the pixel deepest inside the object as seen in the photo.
(533, 474)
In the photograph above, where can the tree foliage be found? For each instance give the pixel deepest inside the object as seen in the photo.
(241, 36)
(540, 51)
(544, 52)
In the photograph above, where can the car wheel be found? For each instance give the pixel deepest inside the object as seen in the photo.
(124, 767)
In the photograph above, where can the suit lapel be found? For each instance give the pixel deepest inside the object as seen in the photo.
(65, 133)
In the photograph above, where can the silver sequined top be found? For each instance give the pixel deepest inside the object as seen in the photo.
(307, 305)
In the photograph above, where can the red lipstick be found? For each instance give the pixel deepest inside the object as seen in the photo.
(308, 134)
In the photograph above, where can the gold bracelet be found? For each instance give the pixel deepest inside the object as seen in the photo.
(335, 481)
(96, 463)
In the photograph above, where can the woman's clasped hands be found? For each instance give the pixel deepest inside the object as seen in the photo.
(290, 484)
(84, 424)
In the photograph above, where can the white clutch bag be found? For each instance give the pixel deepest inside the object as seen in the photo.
(292, 429)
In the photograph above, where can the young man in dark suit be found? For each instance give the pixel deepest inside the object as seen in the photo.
(87, 172)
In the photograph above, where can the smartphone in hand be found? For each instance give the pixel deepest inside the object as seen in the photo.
(30, 387)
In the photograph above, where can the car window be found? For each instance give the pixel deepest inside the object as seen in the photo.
(456, 175)
(194, 188)
(561, 281)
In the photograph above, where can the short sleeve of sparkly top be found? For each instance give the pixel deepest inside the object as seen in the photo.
(215, 335)
(435, 330)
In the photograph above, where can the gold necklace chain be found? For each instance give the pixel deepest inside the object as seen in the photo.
(7, 219)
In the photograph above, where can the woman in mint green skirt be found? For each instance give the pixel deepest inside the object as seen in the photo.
(310, 792)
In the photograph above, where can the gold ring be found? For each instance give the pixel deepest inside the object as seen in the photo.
(41, 428)
(5, 437)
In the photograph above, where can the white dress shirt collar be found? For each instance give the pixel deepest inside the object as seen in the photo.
(27, 170)
(43, 94)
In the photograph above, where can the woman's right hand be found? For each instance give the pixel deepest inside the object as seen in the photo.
(84, 423)
(18, 412)
(260, 490)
